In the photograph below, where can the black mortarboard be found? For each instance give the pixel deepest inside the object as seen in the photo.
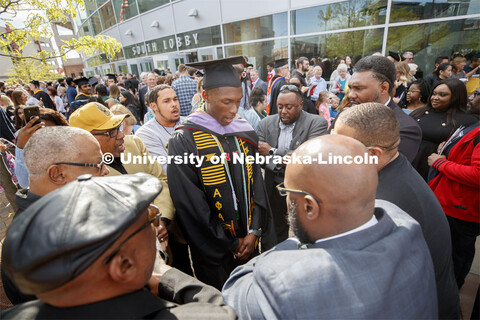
(92, 81)
(81, 81)
(111, 76)
(35, 83)
(280, 62)
(63, 233)
(199, 74)
(219, 73)
(395, 55)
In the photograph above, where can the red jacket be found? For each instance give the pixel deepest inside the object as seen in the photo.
(457, 186)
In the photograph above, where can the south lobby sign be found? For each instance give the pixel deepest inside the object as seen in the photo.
(166, 44)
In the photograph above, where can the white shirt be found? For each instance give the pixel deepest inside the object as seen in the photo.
(373, 221)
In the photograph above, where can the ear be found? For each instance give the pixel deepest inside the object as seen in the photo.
(205, 95)
(56, 175)
(122, 268)
(375, 151)
(312, 208)
(384, 87)
(153, 106)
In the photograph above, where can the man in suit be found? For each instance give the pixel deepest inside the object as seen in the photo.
(352, 256)
(256, 81)
(94, 246)
(375, 125)
(151, 82)
(105, 127)
(279, 135)
(373, 81)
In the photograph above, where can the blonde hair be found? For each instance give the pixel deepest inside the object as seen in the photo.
(404, 70)
(6, 101)
(120, 109)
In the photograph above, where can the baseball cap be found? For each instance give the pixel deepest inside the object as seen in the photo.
(63, 233)
(95, 116)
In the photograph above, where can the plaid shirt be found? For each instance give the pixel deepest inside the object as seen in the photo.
(185, 89)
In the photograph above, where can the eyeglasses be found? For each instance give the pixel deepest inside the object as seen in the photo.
(146, 225)
(283, 192)
(99, 166)
(112, 133)
(289, 87)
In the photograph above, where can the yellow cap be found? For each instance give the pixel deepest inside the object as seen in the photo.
(94, 116)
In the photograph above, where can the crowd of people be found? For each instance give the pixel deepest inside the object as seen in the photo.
(132, 201)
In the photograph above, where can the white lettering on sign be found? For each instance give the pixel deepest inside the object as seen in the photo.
(195, 37)
(152, 47)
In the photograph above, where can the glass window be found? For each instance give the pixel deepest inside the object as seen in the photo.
(118, 56)
(219, 53)
(355, 44)
(95, 23)
(258, 28)
(431, 40)
(107, 15)
(408, 10)
(100, 2)
(339, 15)
(260, 53)
(86, 29)
(145, 5)
(125, 9)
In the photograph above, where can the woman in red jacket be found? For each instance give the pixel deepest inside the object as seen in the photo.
(457, 187)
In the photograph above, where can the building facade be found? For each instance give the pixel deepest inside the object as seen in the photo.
(163, 34)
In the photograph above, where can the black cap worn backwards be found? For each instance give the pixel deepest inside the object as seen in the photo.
(63, 233)
(219, 73)
(80, 81)
(280, 62)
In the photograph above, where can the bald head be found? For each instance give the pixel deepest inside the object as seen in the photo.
(347, 191)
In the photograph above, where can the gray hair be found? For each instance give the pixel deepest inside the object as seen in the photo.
(53, 144)
(342, 66)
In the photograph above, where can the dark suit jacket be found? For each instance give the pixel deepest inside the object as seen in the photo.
(260, 83)
(307, 126)
(181, 296)
(410, 132)
(384, 271)
(141, 94)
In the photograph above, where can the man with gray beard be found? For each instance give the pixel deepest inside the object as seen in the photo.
(338, 266)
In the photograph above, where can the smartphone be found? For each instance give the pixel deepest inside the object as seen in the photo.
(31, 112)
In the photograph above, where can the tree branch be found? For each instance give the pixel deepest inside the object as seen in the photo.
(35, 58)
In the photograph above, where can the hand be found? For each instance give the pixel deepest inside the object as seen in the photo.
(263, 148)
(440, 146)
(162, 232)
(434, 157)
(305, 89)
(284, 160)
(26, 132)
(247, 246)
(156, 277)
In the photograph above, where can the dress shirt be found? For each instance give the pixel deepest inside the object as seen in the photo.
(321, 85)
(185, 89)
(286, 135)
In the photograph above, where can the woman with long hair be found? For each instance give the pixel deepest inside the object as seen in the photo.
(114, 92)
(131, 103)
(416, 96)
(349, 63)
(402, 81)
(443, 114)
(457, 67)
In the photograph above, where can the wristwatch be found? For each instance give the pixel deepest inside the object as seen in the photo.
(272, 151)
(255, 232)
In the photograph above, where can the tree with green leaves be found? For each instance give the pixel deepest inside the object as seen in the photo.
(40, 13)
(29, 69)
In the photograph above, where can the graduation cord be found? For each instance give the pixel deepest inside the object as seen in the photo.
(227, 169)
(244, 186)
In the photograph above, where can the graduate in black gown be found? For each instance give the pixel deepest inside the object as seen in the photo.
(221, 206)
(274, 85)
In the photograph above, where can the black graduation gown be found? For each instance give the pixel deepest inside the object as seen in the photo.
(275, 93)
(210, 245)
(45, 98)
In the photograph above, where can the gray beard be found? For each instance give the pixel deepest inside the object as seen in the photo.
(295, 224)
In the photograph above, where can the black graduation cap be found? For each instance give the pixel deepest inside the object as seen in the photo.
(395, 55)
(92, 81)
(35, 83)
(219, 73)
(111, 76)
(199, 74)
(280, 62)
(80, 81)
